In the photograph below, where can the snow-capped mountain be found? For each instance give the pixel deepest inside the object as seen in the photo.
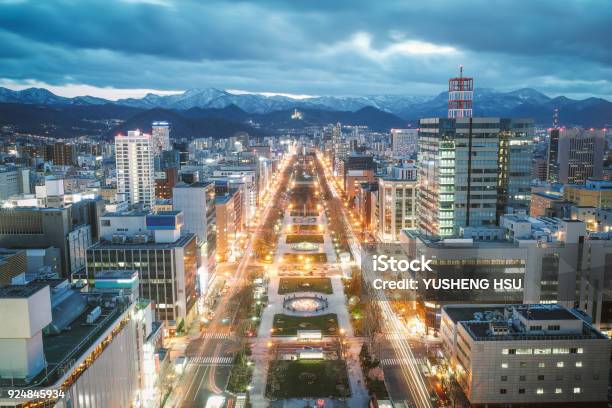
(487, 102)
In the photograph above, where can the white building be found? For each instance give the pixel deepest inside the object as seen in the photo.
(404, 142)
(161, 136)
(245, 175)
(397, 207)
(135, 167)
(13, 181)
(526, 354)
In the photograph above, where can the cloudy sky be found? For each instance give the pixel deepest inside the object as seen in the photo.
(118, 48)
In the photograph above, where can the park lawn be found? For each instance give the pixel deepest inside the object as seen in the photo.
(293, 285)
(301, 258)
(313, 379)
(297, 238)
(285, 325)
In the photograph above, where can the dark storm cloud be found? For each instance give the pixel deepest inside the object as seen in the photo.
(316, 47)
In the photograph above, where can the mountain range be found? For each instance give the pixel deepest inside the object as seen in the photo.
(214, 112)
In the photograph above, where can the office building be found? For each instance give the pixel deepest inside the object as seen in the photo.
(397, 207)
(245, 175)
(552, 174)
(581, 154)
(166, 260)
(160, 131)
(558, 261)
(70, 229)
(539, 170)
(594, 193)
(358, 168)
(526, 355)
(135, 167)
(404, 142)
(13, 181)
(366, 203)
(471, 171)
(227, 224)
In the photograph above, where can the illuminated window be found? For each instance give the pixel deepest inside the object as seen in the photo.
(578, 363)
(558, 391)
(577, 390)
(504, 365)
(540, 391)
(560, 364)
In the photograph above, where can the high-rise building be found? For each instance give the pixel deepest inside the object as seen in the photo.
(135, 167)
(161, 136)
(460, 96)
(197, 202)
(581, 155)
(552, 174)
(472, 171)
(404, 141)
(62, 154)
(397, 207)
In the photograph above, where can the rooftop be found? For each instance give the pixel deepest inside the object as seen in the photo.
(546, 313)
(182, 241)
(19, 291)
(198, 184)
(479, 319)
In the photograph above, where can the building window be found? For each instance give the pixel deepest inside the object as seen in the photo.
(554, 327)
(504, 365)
(505, 351)
(502, 391)
(540, 378)
(521, 390)
(580, 350)
(578, 363)
(560, 364)
(504, 378)
(558, 391)
(541, 365)
(540, 391)
(577, 390)
(522, 378)
(523, 364)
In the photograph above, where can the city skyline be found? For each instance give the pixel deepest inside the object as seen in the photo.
(137, 47)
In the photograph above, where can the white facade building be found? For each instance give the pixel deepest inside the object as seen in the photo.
(135, 167)
(397, 207)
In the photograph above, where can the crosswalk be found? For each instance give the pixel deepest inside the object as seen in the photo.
(391, 362)
(216, 336)
(219, 361)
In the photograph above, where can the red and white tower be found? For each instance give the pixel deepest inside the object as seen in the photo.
(460, 96)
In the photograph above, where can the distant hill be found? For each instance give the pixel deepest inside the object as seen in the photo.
(211, 102)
